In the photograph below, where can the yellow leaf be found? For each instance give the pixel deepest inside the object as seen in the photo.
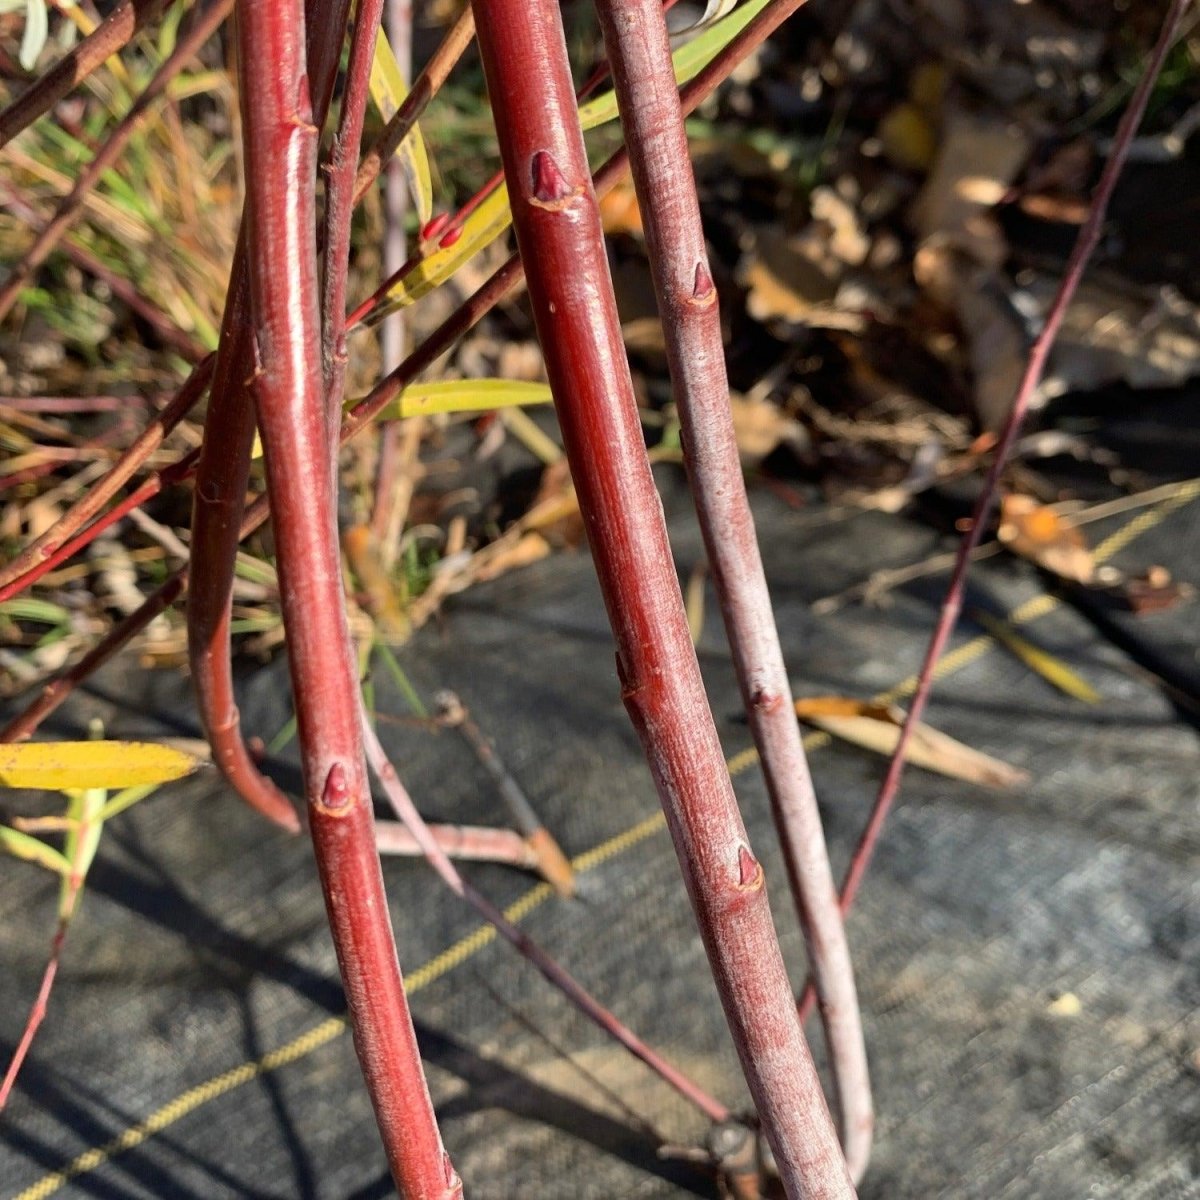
(1054, 671)
(58, 766)
(389, 91)
(465, 396)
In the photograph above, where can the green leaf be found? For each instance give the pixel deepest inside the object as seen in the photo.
(34, 850)
(389, 91)
(60, 766)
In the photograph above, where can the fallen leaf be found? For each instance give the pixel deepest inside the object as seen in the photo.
(1039, 534)
(761, 426)
(877, 727)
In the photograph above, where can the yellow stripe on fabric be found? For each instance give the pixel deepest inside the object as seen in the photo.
(475, 941)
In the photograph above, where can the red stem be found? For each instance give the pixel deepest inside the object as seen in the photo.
(635, 35)
(114, 32)
(281, 159)
(206, 23)
(1085, 245)
(557, 223)
(339, 208)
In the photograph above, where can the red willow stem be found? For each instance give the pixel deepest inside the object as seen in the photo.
(551, 969)
(207, 20)
(340, 170)
(557, 223)
(113, 33)
(1085, 245)
(222, 477)
(639, 53)
(281, 159)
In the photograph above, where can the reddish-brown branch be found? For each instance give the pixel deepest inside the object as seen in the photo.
(114, 32)
(435, 72)
(339, 208)
(528, 949)
(1085, 245)
(281, 158)
(639, 51)
(206, 23)
(557, 223)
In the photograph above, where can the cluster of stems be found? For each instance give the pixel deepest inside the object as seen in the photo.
(280, 368)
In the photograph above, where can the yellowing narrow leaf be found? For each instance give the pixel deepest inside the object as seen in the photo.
(1053, 670)
(465, 396)
(59, 766)
(877, 727)
(33, 850)
(389, 91)
(479, 230)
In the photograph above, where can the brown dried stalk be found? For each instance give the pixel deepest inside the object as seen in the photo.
(639, 52)
(114, 32)
(207, 20)
(1085, 245)
(281, 159)
(557, 223)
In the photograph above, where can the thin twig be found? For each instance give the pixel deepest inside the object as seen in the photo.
(114, 32)
(550, 968)
(1085, 245)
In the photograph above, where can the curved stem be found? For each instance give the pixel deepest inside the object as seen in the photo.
(557, 223)
(639, 51)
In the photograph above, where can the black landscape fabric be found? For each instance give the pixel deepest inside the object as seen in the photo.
(1027, 960)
